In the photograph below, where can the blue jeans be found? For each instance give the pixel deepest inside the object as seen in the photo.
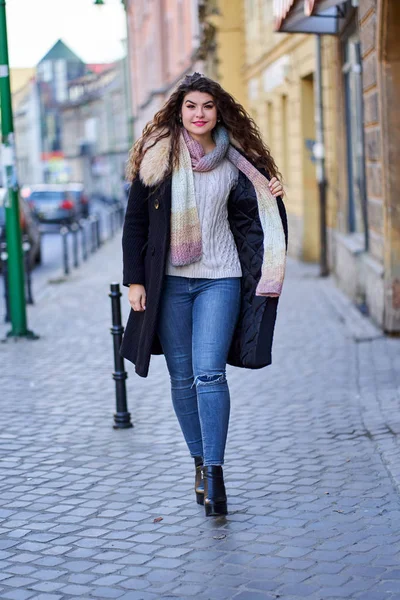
(196, 325)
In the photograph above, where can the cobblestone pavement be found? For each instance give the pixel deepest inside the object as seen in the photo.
(312, 465)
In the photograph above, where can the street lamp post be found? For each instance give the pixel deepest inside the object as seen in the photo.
(17, 301)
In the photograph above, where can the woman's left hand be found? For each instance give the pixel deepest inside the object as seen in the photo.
(276, 187)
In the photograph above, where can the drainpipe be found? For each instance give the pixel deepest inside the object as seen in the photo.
(319, 154)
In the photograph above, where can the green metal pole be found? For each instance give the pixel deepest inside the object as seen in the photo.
(13, 226)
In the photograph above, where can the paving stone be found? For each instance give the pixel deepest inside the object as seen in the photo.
(135, 584)
(300, 590)
(18, 595)
(139, 596)
(79, 566)
(107, 592)
(19, 582)
(250, 595)
(161, 575)
(76, 590)
(81, 578)
(267, 586)
(47, 586)
(48, 597)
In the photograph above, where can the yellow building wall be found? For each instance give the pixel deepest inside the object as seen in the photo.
(279, 78)
(229, 23)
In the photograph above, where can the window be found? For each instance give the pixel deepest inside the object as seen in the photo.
(45, 71)
(357, 210)
(60, 71)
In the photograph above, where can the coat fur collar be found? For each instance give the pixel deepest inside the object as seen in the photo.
(155, 162)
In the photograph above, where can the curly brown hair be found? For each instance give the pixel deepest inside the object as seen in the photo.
(232, 115)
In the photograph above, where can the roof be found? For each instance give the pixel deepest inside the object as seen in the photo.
(60, 51)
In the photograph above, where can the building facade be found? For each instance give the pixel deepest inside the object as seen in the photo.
(280, 81)
(28, 144)
(53, 73)
(320, 78)
(223, 44)
(96, 141)
(26, 112)
(364, 238)
(164, 38)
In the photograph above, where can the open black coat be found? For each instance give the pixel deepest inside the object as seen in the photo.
(145, 241)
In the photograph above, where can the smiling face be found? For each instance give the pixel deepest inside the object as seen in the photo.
(199, 113)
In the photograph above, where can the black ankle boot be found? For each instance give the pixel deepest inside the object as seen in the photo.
(215, 501)
(199, 481)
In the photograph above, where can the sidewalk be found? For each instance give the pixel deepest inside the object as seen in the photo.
(312, 464)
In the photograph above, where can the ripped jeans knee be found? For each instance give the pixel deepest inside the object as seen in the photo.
(207, 379)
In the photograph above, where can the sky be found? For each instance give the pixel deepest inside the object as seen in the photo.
(94, 33)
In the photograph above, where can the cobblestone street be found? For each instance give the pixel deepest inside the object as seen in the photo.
(312, 464)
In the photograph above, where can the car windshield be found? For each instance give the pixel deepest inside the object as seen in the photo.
(50, 196)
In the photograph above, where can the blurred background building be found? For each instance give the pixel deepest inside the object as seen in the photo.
(53, 73)
(27, 124)
(95, 122)
(164, 41)
(361, 80)
(265, 53)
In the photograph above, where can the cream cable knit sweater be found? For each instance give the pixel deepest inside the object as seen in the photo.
(220, 257)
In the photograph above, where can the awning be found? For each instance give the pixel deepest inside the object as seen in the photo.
(310, 16)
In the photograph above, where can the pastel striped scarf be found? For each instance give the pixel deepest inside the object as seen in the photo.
(186, 246)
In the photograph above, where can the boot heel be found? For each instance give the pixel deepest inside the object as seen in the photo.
(215, 501)
(216, 510)
(200, 498)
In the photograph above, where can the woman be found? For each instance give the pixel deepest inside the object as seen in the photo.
(204, 247)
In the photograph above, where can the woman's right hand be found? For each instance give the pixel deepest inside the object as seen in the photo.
(137, 297)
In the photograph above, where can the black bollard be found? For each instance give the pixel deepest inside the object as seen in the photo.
(4, 262)
(28, 279)
(95, 233)
(82, 225)
(98, 230)
(122, 418)
(111, 222)
(117, 217)
(64, 238)
(93, 245)
(75, 250)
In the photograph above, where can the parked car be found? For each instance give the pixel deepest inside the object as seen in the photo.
(52, 203)
(82, 201)
(29, 227)
(57, 203)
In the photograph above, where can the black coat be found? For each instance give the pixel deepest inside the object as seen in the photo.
(145, 241)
